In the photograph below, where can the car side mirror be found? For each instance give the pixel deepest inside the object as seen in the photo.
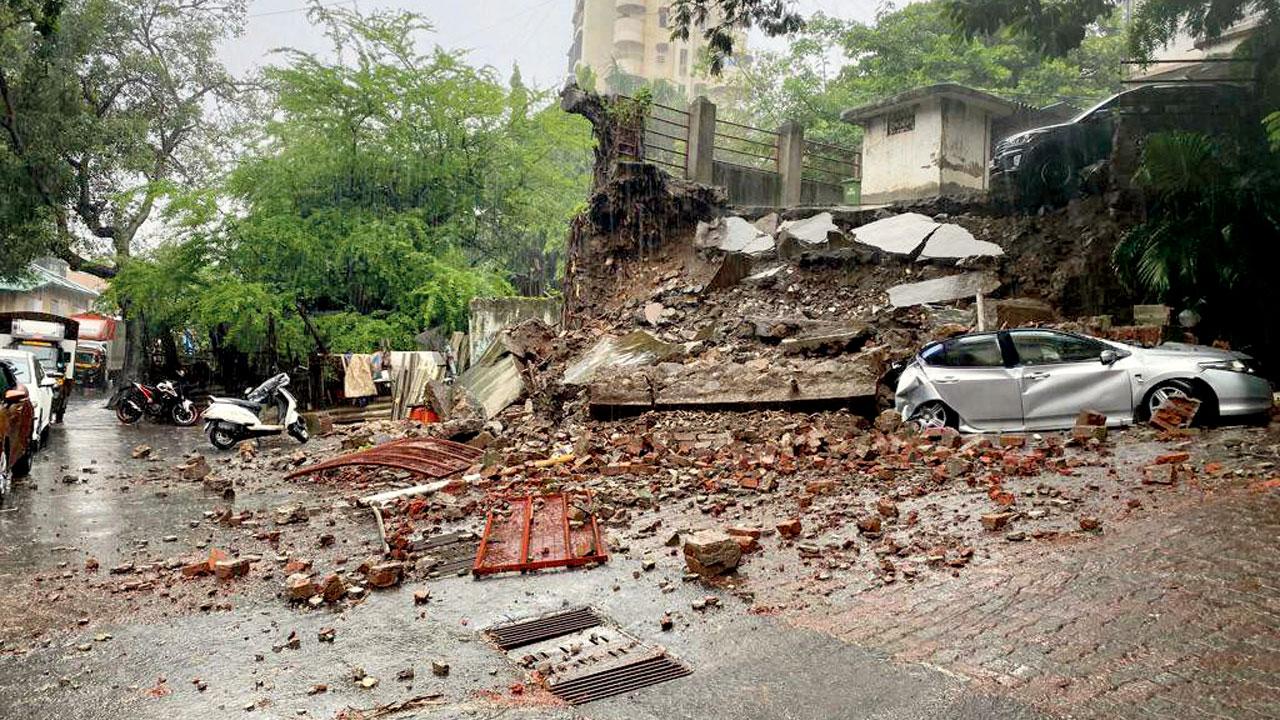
(1108, 357)
(15, 396)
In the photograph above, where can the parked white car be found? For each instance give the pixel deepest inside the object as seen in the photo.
(40, 388)
(1040, 379)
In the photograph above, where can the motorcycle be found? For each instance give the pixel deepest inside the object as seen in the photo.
(162, 401)
(230, 420)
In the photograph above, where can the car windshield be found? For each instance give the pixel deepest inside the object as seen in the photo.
(1100, 106)
(46, 355)
(19, 368)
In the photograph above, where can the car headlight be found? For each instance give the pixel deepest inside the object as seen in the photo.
(1237, 365)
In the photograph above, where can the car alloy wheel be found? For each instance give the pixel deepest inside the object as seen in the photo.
(932, 415)
(1164, 394)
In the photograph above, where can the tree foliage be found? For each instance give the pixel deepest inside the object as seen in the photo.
(1059, 27)
(103, 106)
(906, 48)
(720, 20)
(1210, 200)
(382, 193)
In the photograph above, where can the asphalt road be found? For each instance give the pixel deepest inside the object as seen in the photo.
(744, 666)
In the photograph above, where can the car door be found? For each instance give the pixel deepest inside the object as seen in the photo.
(1061, 374)
(971, 375)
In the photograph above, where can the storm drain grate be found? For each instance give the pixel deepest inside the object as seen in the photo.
(543, 628)
(620, 679)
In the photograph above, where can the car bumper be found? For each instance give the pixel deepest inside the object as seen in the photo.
(1239, 393)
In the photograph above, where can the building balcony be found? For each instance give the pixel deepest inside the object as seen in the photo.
(628, 8)
(628, 33)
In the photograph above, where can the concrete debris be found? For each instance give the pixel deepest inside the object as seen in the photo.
(634, 349)
(820, 231)
(1022, 312)
(734, 235)
(943, 289)
(711, 552)
(897, 235)
(952, 242)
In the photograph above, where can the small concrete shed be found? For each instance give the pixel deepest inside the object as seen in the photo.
(930, 141)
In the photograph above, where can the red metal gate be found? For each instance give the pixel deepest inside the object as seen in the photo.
(534, 532)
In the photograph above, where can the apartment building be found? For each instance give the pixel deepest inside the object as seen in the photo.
(631, 39)
(1186, 58)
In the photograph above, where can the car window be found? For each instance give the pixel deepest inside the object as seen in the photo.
(1038, 347)
(966, 351)
(6, 377)
(39, 372)
(19, 370)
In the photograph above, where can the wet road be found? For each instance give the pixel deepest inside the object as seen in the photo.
(93, 514)
(745, 666)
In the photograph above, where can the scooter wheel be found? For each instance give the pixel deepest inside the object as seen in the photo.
(221, 438)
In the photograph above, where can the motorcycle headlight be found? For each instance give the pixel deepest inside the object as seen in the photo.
(1235, 365)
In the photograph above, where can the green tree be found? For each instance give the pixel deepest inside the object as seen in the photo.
(102, 109)
(906, 48)
(720, 20)
(380, 194)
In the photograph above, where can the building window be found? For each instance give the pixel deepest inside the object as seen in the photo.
(901, 121)
(684, 61)
(663, 16)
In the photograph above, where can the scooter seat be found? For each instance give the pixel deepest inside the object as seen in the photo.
(248, 404)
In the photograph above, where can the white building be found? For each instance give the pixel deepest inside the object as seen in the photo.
(926, 142)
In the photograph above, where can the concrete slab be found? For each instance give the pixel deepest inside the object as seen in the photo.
(900, 235)
(943, 289)
(811, 232)
(952, 242)
(631, 350)
(733, 234)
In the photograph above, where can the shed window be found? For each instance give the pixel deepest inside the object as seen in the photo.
(901, 121)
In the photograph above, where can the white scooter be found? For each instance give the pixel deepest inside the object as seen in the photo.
(228, 420)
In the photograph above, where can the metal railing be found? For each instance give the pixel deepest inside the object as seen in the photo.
(832, 164)
(666, 133)
(744, 146)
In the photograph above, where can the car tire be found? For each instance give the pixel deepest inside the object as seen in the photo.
(935, 414)
(22, 466)
(6, 476)
(1170, 388)
(1049, 177)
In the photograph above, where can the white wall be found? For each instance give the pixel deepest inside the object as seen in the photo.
(905, 165)
(966, 140)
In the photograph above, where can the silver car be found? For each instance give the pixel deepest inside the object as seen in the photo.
(1037, 379)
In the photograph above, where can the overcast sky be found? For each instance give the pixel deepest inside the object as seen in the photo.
(533, 33)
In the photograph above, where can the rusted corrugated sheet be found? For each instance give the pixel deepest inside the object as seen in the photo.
(429, 457)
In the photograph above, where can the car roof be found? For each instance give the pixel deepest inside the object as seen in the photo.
(18, 354)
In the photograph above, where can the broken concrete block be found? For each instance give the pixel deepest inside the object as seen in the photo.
(385, 575)
(197, 468)
(733, 234)
(634, 349)
(898, 235)
(798, 236)
(790, 528)
(952, 242)
(1019, 312)
(996, 521)
(943, 289)
(711, 552)
(227, 569)
(298, 587)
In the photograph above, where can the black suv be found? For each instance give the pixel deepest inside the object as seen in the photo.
(1044, 164)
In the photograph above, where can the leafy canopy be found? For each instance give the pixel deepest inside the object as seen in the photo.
(379, 196)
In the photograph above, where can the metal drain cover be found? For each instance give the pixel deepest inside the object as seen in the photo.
(580, 657)
(515, 635)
